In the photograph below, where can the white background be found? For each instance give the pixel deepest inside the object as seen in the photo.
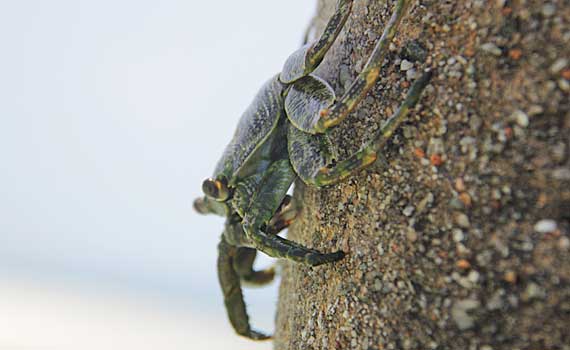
(111, 115)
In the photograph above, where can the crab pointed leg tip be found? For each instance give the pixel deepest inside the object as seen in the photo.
(255, 335)
(428, 74)
(340, 255)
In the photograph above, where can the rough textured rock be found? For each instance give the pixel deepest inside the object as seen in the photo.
(458, 237)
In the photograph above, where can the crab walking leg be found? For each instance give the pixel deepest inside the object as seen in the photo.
(278, 247)
(368, 154)
(233, 297)
(307, 58)
(284, 216)
(334, 26)
(268, 198)
(243, 265)
(335, 114)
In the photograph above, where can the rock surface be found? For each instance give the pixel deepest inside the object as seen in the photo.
(458, 236)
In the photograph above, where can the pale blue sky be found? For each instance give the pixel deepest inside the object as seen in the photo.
(111, 114)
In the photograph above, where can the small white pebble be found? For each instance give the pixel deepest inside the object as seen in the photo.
(491, 48)
(558, 65)
(458, 235)
(520, 117)
(473, 276)
(462, 220)
(535, 110)
(405, 65)
(411, 74)
(380, 249)
(545, 226)
(409, 210)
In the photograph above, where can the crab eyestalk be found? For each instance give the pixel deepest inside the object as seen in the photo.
(200, 206)
(216, 189)
(204, 205)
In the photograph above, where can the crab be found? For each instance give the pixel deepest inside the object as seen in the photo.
(281, 137)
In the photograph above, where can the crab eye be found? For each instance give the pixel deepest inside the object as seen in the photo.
(215, 189)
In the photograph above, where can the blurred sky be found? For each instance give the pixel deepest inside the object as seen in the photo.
(111, 115)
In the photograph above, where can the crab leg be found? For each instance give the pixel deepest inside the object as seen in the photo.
(266, 202)
(284, 216)
(233, 297)
(243, 265)
(278, 247)
(368, 154)
(307, 58)
(332, 116)
(334, 26)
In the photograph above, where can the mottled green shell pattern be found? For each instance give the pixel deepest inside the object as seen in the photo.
(308, 153)
(295, 66)
(254, 127)
(273, 188)
(244, 191)
(305, 99)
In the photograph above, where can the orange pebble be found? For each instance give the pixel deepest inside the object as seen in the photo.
(463, 264)
(459, 184)
(419, 152)
(508, 132)
(465, 198)
(510, 276)
(515, 54)
(435, 159)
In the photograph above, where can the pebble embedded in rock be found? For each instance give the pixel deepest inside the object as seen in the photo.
(459, 313)
(520, 117)
(462, 220)
(545, 226)
(408, 211)
(405, 65)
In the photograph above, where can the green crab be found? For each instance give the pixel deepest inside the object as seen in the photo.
(282, 136)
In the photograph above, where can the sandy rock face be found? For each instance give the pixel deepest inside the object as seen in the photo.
(458, 236)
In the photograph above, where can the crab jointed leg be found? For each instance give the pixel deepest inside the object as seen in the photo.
(310, 153)
(333, 28)
(278, 247)
(368, 153)
(283, 217)
(308, 57)
(267, 200)
(243, 265)
(233, 297)
(332, 116)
